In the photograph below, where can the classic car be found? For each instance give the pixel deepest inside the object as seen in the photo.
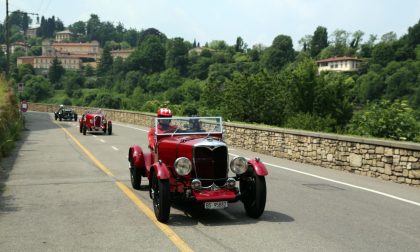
(65, 113)
(190, 162)
(95, 120)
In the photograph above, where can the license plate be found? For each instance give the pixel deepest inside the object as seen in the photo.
(215, 205)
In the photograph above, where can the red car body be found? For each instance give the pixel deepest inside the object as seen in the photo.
(94, 121)
(208, 180)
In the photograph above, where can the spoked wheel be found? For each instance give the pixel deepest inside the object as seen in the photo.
(254, 192)
(159, 190)
(135, 177)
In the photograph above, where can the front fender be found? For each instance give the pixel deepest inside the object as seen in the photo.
(136, 156)
(161, 170)
(258, 167)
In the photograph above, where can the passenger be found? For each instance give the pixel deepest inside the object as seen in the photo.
(163, 126)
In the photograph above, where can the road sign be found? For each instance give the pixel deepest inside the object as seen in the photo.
(23, 106)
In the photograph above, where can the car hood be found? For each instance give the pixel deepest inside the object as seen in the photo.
(182, 146)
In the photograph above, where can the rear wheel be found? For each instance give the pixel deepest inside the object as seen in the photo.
(254, 193)
(60, 118)
(160, 193)
(109, 129)
(135, 176)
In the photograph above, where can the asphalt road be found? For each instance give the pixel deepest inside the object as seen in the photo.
(63, 191)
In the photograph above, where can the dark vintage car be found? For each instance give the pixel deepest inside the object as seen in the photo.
(190, 162)
(95, 120)
(65, 113)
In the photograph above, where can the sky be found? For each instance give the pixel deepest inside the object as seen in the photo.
(256, 21)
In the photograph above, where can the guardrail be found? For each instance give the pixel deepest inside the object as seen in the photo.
(389, 160)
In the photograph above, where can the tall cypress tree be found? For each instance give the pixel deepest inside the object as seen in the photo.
(319, 40)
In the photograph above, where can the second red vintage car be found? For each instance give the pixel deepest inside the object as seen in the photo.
(190, 162)
(95, 120)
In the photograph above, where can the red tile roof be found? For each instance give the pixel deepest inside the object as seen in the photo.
(338, 59)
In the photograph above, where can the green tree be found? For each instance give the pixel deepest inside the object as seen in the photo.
(252, 98)
(106, 61)
(37, 89)
(92, 27)
(240, 45)
(55, 72)
(279, 53)
(383, 53)
(149, 56)
(319, 40)
(370, 87)
(177, 55)
(78, 27)
(395, 120)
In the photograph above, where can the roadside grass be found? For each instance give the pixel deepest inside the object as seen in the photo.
(11, 120)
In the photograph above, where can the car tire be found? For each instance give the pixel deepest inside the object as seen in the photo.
(80, 128)
(55, 116)
(59, 118)
(135, 176)
(254, 193)
(109, 129)
(75, 117)
(84, 129)
(161, 198)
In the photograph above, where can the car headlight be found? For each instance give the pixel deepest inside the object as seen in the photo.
(183, 166)
(91, 121)
(238, 165)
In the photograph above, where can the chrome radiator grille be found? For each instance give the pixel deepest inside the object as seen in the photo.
(210, 164)
(98, 120)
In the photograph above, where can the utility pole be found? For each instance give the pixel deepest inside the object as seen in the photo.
(7, 40)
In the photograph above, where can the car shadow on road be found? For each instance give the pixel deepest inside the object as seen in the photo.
(233, 215)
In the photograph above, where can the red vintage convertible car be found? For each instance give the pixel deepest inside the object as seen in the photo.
(95, 120)
(190, 162)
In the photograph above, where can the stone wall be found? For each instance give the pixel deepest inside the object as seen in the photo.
(389, 160)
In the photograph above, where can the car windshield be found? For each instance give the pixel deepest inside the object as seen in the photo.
(188, 125)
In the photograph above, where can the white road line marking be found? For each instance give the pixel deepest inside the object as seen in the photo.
(130, 127)
(340, 182)
(323, 178)
(103, 141)
(93, 135)
(115, 148)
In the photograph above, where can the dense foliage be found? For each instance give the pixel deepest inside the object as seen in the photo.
(276, 85)
(10, 120)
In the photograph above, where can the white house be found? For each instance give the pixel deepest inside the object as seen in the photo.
(339, 64)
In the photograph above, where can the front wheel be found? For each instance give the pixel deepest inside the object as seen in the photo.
(254, 193)
(84, 129)
(160, 193)
(135, 177)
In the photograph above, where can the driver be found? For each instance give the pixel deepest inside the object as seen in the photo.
(163, 126)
